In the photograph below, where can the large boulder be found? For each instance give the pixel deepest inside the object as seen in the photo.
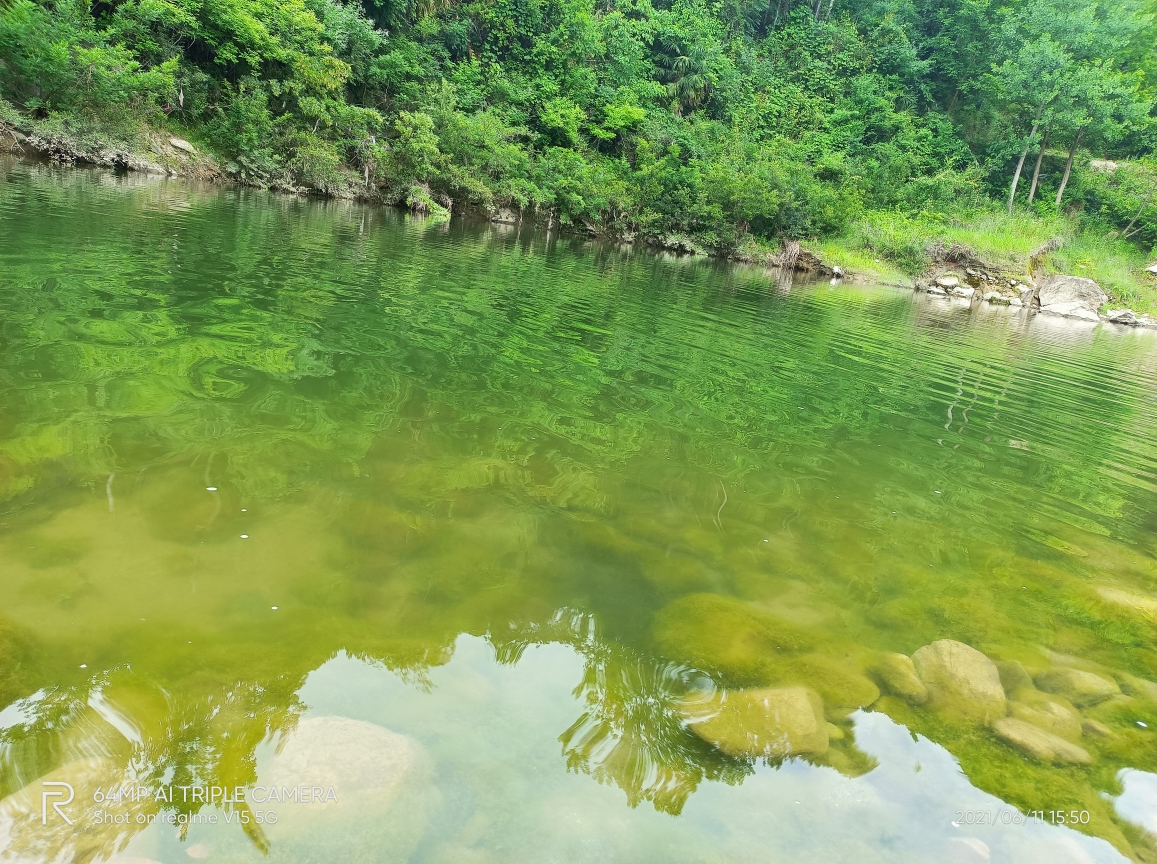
(898, 676)
(774, 723)
(1038, 743)
(382, 782)
(1079, 687)
(1072, 297)
(960, 679)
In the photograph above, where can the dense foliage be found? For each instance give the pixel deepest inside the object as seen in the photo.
(715, 119)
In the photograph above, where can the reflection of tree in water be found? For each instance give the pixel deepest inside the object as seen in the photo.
(121, 732)
(631, 733)
(169, 726)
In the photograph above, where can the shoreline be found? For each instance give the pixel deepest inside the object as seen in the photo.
(172, 156)
(1011, 282)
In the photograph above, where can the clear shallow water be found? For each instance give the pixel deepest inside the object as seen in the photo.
(515, 500)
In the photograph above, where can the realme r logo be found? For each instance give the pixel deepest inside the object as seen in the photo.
(59, 790)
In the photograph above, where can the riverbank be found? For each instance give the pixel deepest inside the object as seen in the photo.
(881, 246)
(1025, 247)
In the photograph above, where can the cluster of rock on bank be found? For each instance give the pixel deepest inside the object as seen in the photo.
(1067, 296)
(166, 154)
(1043, 715)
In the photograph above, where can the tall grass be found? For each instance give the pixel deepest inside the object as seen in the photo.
(882, 240)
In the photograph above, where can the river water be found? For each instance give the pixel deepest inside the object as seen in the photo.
(463, 526)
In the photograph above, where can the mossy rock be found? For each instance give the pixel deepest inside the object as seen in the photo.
(774, 723)
(960, 680)
(1079, 687)
(897, 675)
(843, 754)
(1054, 715)
(842, 686)
(1013, 676)
(723, 635)
(1039, 743)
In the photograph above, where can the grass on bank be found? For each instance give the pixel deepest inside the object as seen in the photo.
(884, 246)
(881, 243)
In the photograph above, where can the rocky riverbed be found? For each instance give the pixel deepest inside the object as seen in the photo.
(1046, 714)
(1073, 297)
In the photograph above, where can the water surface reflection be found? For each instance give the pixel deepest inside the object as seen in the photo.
(477, 523)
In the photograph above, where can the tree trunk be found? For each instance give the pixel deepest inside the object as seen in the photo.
(828, 14)
(1145, 203)
(1069, 165)
(1023, 156)
(778, 10)
(1039, 158)
(816, 10)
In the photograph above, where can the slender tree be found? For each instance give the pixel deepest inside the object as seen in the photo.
(1069, 165)
(1028, 83)
(1099, 103)
(1039, 158)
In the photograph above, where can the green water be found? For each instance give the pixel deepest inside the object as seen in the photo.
(458, 519)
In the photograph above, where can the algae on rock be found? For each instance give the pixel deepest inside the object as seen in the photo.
(723, 635)
(898, 675)
(768, 722)
(960, 679)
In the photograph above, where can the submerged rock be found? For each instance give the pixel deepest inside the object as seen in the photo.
(963, 291)
(898, 675)
(1013, 676)
(1050, 715)
(1079, 687)
(725, 635)
(382, 783)
(1096, 729)
(353, 756)
(1135, 686)
(1072, 297)
(1038, 743)
(842, 689)
(774, 723)
(937, 291)
(961, 679)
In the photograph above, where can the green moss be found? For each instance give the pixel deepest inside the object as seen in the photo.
(15, 664)
(841, 685)
(726, 636)
(1022, 782)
